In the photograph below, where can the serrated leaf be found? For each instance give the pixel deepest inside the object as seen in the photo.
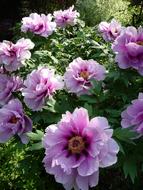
(125, 135)
(130, 169)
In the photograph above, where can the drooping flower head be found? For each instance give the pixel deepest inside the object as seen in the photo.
(129, 49)
(66, 17)
(133, 116)
(79, 74)
(110, 31)
(40, 85)
(13, 56)
(13, 121)
(8, 85)
(77, 147)
(38, 24)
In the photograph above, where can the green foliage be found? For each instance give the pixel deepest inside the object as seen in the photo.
(95, 11)
(21, 165)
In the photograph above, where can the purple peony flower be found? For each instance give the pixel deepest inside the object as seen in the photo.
(133, 115)
(8, 85)
(13, 56)
(79, 74)
(40, 85)
(38, 24)
(13, 121)
(66, 17)
(110, 31)
(76, 148)
(129, 49)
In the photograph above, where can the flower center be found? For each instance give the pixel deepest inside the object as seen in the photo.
(76, 145)
(84, 75)
(140, 43)
(14, 120)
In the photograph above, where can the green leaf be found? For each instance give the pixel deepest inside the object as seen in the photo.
(130, 169)
(125, 135)
(89, 108)
(121, 147)
(89, 99)
(36, 136)
(36, 146)
(50, 105)
(97, 86)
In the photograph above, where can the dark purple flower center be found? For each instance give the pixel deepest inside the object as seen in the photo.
(65, 18)
(84, 74)
(76, 145)
(40, 27)
(12, 52)
(140, 43)
(13, 120)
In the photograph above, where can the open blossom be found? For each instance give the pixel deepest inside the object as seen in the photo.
(40, 85)
(13, 56)
(77, 147)
(133, 115)
(13, 121)
(110, 31)
(38, 24)
(129, 49)
(66, 17)
(79, 74)
(8, 85)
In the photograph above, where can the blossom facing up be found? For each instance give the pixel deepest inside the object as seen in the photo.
(133, 116)
(8, 85)
(38, 24)
(13, 56)
(66, 17)
(40, 85)
(129, 49)
(110, 31)
(76, 147)
(13, 121)
(79, 74)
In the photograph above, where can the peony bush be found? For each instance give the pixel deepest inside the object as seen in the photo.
(69, 110)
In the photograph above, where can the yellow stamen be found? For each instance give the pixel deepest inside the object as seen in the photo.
(76, 145)
(84, 75)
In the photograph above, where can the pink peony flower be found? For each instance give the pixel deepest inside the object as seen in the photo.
(133, 115)
(66, 17)
(110, 31)
(79, 74)
(129, 49)
(13, 56)
(38, 24)
(76, 148)
(8, 85)
(13, 121)
(40, 85)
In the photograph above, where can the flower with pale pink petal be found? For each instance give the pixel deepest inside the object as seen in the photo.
(40, 85)
(79, 74)
(66, 17)
(132, 117)
(129, 49)
(38, 24)
(9, 85)
(13, 121)
(76, 147)
(110, 31)
(13, 56)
